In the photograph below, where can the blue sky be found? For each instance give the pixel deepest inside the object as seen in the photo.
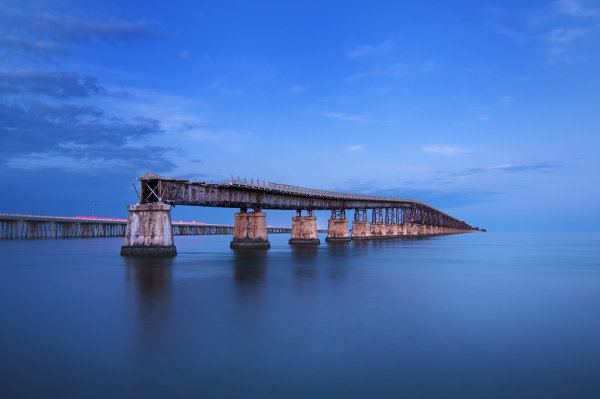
(487, 110)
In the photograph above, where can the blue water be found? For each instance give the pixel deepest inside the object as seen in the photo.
(464, 316)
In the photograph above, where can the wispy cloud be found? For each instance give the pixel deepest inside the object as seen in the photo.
(369, 50)
(184, 54)
(45, 34)
(392, 70)
(445, 150)
(48, 83)
(554, 28)
(574, 8)
(545, 167)
(564, 35)
(296, 89)
(344, 117)
(356, 147)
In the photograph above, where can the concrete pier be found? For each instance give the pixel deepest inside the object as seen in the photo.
(337, 230)
(378, 230)
(361, 230)
(390, 230)
(250, 230)
(149, 231)
(304, 230)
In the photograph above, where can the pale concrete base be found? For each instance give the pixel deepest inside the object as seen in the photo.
(338, 230)
(149, 231)
(378, 230)
(304, 231)
(250, 230)
(361, 230)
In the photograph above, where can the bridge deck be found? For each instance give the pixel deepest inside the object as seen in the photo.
(241, 194)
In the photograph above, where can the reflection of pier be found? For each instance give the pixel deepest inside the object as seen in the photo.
(17, 226)
(152, 282)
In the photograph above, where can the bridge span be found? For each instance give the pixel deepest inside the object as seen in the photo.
(14, 226)
(149, 221)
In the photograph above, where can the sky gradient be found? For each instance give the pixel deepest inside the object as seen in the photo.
(486, 110)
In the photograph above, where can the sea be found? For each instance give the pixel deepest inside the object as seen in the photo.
(478, 315)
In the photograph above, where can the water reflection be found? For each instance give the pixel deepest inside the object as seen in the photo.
(337, 260)
(249, 265)
(151, 278)
(304, 260)
(249, 273)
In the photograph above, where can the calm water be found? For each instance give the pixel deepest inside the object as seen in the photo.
(465, 316)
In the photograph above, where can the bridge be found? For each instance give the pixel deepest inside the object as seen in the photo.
(149, 221)
(14, 226)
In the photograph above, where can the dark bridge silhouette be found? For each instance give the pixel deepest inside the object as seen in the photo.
(391, 217)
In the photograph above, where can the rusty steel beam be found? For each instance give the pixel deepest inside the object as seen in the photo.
(236, 194)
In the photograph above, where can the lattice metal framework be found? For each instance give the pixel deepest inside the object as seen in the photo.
(360, 215)
(270, 195)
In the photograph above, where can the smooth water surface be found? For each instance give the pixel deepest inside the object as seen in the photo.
(463, 316)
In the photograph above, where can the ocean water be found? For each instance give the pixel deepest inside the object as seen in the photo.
(463, 316)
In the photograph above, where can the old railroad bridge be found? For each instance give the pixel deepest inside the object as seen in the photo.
(149, 230)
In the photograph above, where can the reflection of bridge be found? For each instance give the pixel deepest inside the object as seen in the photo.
(148, 232)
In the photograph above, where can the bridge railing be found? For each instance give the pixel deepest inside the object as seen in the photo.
(287, 188)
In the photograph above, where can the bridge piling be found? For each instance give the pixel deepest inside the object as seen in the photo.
(337, 230)
(304, 229)
(250, 230)
(149, 231)
(361, 228)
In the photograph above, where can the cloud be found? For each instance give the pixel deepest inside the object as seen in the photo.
(41, 132)
(48, 83)
(369, 50)
(574, 8)
(506, 100)
(562, 35)
(44, 121)
(545, 167)
(357, 147)
(44, 34)
(392, 70)
(430, 66)
(552, 28)
(11, 46)
(184, 54)
(440, 199)
(135, 158)
(446, 150)
(345, 117)
(296, 89)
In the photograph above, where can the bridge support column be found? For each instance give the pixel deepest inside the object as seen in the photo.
(149, 231)
(337, 230)
(390, 230)
(250, 230)
(378, 230)
(304, 230)
(361, 230)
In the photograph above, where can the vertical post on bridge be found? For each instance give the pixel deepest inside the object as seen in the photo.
(250, 230)
(337, 230)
